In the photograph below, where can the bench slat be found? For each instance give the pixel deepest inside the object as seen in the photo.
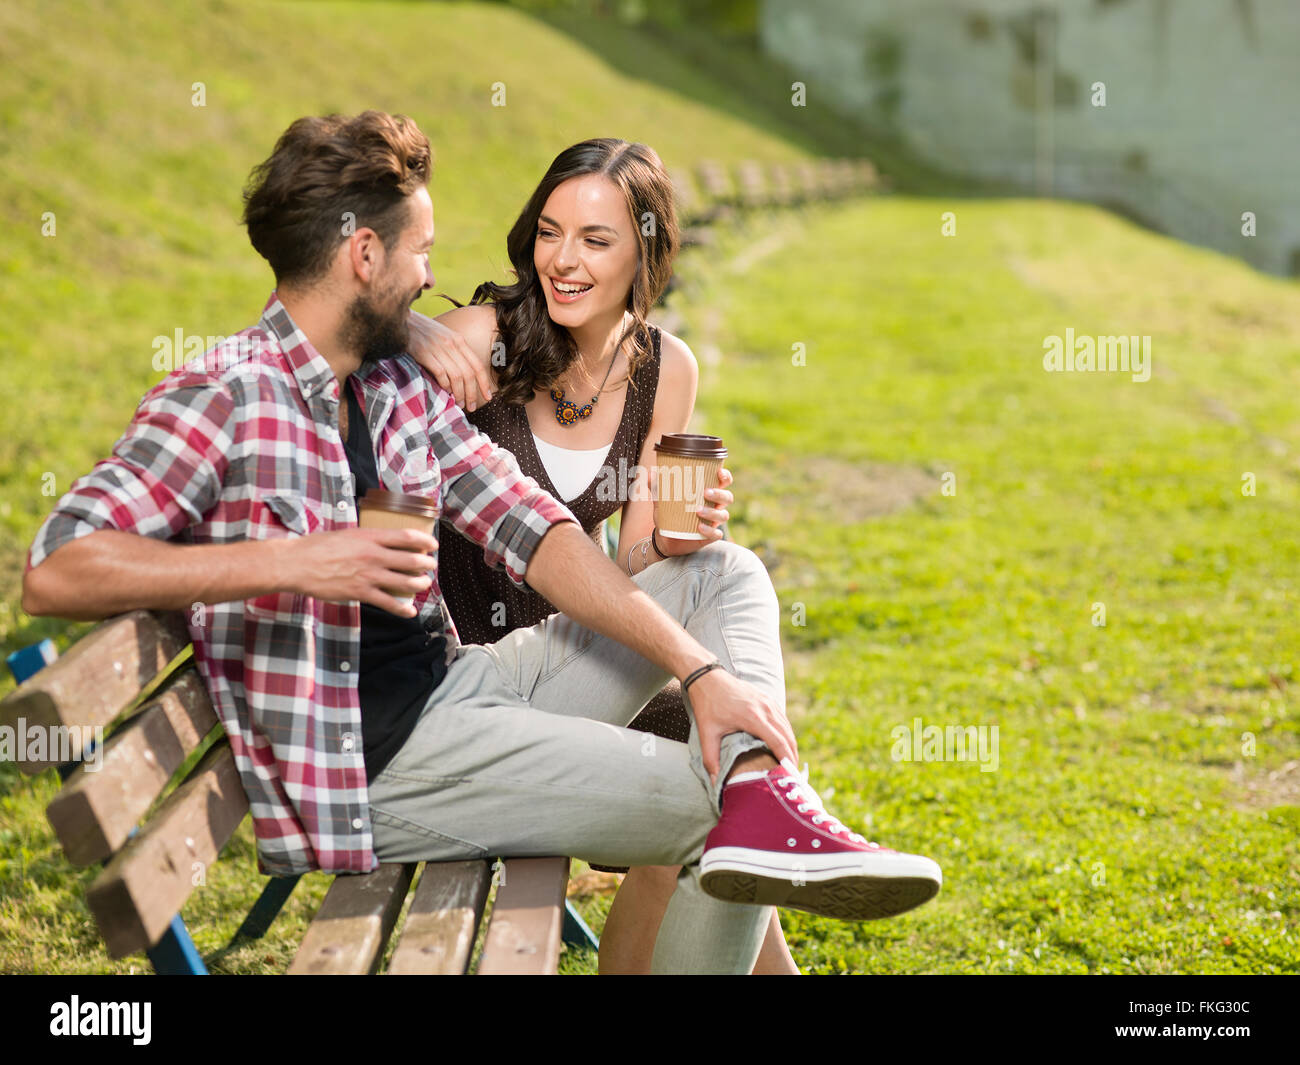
(98, 678)
(147, 882)
(348, 934)
(95, 811)
(527, 918)
(438, 937)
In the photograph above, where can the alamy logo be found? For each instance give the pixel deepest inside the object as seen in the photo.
(209, 354)
(102, 1018)
(951, 743)
(59, 744)
(1131, 355)
(632, 482)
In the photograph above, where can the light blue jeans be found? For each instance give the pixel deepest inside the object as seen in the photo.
(522, 751)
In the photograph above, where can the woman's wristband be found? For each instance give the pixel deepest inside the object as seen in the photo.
(655, 543)
(699, 673)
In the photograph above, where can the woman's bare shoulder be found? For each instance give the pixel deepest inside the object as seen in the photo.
(677, 363)
(679, 378)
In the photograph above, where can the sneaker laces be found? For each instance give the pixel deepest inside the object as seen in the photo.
(802, 793)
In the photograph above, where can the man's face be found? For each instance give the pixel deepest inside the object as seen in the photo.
(377, 325)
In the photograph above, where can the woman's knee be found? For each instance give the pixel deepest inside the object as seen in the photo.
(727, 556)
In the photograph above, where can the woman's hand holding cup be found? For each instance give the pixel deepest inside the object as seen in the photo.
(713, 514)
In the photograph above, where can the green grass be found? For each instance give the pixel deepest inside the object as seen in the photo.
(99, 127)
(1125, 829)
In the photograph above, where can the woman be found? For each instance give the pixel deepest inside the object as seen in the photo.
(562, 369)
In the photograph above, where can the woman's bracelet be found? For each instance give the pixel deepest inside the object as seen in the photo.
(643, 544)
(655, 543)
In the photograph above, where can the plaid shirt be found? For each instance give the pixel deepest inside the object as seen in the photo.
(244, 445)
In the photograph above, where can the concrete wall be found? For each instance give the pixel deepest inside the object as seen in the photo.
(1202, 115)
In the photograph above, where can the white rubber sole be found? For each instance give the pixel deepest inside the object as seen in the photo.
(849, 886)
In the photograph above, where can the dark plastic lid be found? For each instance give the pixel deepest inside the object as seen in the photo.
(378, 499)
(692, 446)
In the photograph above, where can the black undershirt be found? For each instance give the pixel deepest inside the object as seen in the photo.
(400, 663)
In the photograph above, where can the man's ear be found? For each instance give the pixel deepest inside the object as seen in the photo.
(365, 254)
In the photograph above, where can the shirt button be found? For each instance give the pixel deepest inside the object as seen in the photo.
(343, 504)
(345, 666)
(357, 822)
(347, 741)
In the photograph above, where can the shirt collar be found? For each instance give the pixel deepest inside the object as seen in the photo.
(310, 369)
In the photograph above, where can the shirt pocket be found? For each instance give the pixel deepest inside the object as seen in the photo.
(294, 512)
(278, 517)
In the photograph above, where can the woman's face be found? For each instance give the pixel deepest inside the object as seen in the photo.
(586, 252)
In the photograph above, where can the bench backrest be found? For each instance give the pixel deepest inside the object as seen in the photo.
(133, 674)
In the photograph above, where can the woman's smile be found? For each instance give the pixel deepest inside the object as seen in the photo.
(568, 291)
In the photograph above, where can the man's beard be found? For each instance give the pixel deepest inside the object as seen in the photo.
(374, 334)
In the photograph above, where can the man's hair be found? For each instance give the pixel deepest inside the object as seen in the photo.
(327, 178)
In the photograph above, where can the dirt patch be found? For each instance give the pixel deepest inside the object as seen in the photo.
(836, 491)
(592, 883)
(1265, 790)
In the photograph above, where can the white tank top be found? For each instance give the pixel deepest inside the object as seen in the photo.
(571, 471)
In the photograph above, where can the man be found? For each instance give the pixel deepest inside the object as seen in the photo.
(362, 729)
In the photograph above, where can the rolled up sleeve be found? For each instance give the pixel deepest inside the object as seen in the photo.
(486, 496)
(164, 473)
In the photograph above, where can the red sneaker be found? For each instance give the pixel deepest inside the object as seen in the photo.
(775, 845)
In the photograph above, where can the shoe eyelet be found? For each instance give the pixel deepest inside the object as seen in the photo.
(790, 842)
(817, 843)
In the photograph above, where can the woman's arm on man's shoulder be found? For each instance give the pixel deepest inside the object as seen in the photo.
(456, 349)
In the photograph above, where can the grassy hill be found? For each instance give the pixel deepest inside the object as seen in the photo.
(98, 126)
(120, 205)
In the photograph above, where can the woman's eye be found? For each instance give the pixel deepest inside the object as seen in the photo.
(545, 233)
(597, 243)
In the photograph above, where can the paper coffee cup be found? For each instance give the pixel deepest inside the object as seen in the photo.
(395, 510)
(687, 464)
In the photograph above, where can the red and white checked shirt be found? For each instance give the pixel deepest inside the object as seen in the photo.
(244, 445)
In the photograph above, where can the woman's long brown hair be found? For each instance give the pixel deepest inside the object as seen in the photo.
(537, 350)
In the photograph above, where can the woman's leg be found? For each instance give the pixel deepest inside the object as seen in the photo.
(628, 940)
(723, 596)
(774, 959)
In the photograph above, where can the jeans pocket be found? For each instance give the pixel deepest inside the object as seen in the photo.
(504, 673)
(399, 838)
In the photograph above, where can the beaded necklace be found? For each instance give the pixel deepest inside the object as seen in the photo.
(567, 412)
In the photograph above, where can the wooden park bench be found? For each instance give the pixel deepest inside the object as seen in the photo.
(782, 185)
(693, 213)
(135, 674)
(716, 186)
(751, 185)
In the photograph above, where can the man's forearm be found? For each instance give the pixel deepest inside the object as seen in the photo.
(578, 578)
(108, 572)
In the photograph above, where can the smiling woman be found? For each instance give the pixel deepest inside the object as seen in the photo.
(579, 387)
(598, 235)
